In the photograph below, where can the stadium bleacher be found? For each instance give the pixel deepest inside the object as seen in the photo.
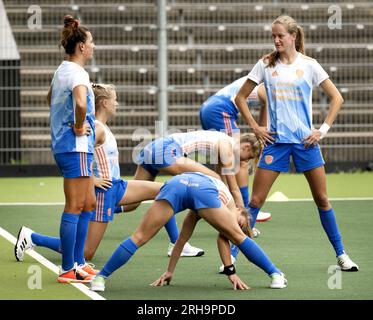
(210, 43)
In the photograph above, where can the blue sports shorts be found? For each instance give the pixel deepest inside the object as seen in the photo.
(106, 201)
(220, 114)
(276, 157)
(160, 153)
(74, 164)
(190, 191)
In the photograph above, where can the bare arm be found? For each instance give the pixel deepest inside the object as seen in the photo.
(226, 168)
(336, 100)
(261, 132)
(263, 117)
(225, 255)
(335, 105)
(187, 229)
(49, 96)
(80, 97)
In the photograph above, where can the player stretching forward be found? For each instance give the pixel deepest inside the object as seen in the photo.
(207, 198)
(169, 155)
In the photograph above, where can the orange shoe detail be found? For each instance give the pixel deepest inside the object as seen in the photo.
(74, 276)
(89, 269)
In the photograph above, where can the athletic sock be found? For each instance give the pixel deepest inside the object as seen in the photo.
(81, 236)
(253, 213)
(172, 229)
(42, 240)
(120, 256)
(245, 195)
(330, 226)
(69, 223)
(257, 256)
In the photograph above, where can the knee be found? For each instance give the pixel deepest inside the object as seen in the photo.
(74, 206)
(237, 236)
(91, 205)
(322, 202)
(256, 201)
(139, 238)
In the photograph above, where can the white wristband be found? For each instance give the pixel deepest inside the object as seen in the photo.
(324, 129)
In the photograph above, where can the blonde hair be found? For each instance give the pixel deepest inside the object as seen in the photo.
(292, 27)
(101, 92)
(256, 147)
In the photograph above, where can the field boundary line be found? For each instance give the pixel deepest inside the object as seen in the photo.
(51, 266)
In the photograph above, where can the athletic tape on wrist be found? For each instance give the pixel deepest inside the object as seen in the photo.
(324, 129)
(229, 270)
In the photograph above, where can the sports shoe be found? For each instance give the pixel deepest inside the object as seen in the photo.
(75, 275)
(23, 243)
(98, 284)
(188, 251)
(256, 232)
(263, 216)
(346, 263)
(278, 281)
(89, 268)
(221, 268)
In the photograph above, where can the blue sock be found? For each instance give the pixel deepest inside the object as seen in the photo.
(245, 195)
(254, 213)
(257, 256)
(81, 236)
(119, 257)
(172, 229)
(42, 240)
(69, 223)
(330, 226)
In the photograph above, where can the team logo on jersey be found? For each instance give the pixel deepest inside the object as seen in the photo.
(299, 73)
(268, 159)
(274, 74)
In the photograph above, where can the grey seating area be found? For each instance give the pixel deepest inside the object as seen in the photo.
(210, 44)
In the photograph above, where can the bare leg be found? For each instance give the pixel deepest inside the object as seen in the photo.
(153, 220)
(96, 232)
(78, 194)
(138, 191)
(263, 181)
(317, 181)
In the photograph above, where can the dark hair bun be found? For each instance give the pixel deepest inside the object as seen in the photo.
(69, 21)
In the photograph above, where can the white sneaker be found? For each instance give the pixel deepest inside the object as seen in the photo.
(346, 263)
(221, 268)
(98, 284)
(278, 281)
(256, 232)
(188, 251)
(23, 243)
(263, 216)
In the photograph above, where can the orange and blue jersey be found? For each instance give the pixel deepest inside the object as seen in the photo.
(62, 110)
(289, 94)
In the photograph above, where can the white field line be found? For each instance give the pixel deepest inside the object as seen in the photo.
(51, 266)
(151, 201)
